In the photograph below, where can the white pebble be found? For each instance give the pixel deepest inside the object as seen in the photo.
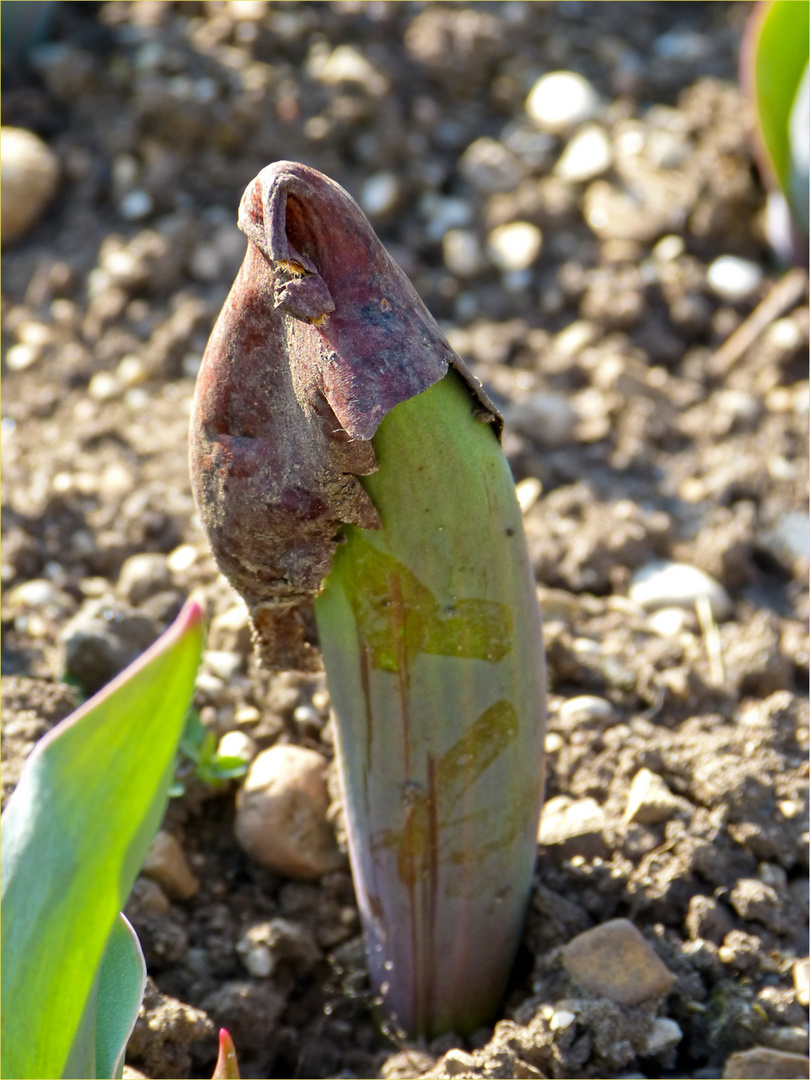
(22, 356)
(668, 248)
(560, 100)
(528, 491)
(222, 663)
(236, 744)
(665, 1036)
(259, 961)
(514, 246)
(104, 386)
(661, 583)
(462, 252)
(587, 155)
(380, 194)
(732, 278)
(667, 621)
(561, 1019)
(586, 707)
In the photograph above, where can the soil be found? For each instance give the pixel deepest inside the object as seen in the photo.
(644, 444)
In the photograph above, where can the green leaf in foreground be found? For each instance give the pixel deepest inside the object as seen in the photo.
(773, 61)
(75, 833)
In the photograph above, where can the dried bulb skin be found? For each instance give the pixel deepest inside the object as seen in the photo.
(320, 337)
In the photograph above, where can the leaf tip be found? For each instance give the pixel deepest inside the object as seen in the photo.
(226, 1067)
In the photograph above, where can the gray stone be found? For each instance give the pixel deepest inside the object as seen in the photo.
(762, 1063)
(103, 638)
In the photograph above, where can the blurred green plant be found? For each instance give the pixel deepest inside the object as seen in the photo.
(199, 758)
(75, 833)
(774, 79)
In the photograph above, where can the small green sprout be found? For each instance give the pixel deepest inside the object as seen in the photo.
(199, 758)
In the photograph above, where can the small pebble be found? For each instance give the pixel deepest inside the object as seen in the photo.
(681, 45)
(801, 980)
(573, 827)
(514, 246)
(488, 166)
(456, 1062)
(104, 386)
(136, 205)
(668, 621)
(22, 356)
(668, 248)
(614, 961)
(224, 665)
(561, 1019)
(762, 1063)
(586, 708)
(754, 900)
(733, 279)
(442, 213)
(788, 541)
(147, 896)
(182, 558)
(30, 177)
(586, 156)
(462, 252)
(560, 100)
(665, 1036)
(230, 630)
(237, 744)
(281, 813)
(547, 419)
(661, 583)
(380, 194)
(166, 864)
(790, 1040)
(103, 638)
(143, 575)
(528, 491)
(649, 800)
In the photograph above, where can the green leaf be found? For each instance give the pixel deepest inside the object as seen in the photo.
(774, 59)
(75, 833)
(120, 992)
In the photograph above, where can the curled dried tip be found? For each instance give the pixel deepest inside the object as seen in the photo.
(227, 1067)
(321, 337)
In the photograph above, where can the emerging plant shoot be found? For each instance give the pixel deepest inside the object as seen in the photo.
(341, 451)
